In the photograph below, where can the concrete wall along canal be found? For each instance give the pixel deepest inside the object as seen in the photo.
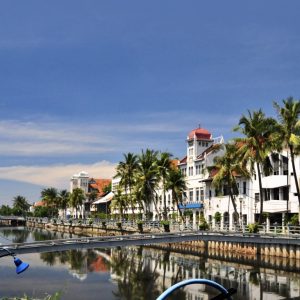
(288, 250)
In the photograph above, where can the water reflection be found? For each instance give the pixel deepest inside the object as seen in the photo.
(144, 273)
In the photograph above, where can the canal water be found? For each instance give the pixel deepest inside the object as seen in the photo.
(134, 273)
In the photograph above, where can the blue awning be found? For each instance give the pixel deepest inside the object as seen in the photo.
(191, 206)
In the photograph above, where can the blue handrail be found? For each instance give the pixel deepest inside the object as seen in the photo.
(211, 283)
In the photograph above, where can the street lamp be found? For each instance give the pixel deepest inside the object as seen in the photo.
(20, 266)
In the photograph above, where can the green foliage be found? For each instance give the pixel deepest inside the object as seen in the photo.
(188, 213)
(253, 228)
(5, 210)
(164, 222)
(218, 217)
(294, 220)
(106, 189)
(203, 224)
(100, 215)
(55, 296)
(20, 204)
(43, 211)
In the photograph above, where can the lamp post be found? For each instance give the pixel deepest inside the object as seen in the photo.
(20, 266)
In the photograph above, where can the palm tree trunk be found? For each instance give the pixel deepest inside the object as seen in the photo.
(165, 202)
(177, 203)
(155, 205)
(261, 195)
(233, 203)
(131, 203)
(295, 177)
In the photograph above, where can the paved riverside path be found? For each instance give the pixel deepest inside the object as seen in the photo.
(146, 239)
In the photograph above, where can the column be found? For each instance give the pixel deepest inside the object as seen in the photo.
(268, 224)
(194, 220)
(283, 225)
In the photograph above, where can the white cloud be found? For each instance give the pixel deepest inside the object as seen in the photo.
(58, 138)
(56, 175)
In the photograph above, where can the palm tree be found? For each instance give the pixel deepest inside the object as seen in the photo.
(164, 165)
(76, 199)
(126, 170)
(260, 139)
(63, 200)
(226, 168)
(50, 196)
(20, 203)
(147, 177)
(288, 116)
(176, 183)
(119, 202)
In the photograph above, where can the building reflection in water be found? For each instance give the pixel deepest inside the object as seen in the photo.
(143, 273)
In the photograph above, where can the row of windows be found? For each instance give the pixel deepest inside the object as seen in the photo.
(198, 170)
(199, 195)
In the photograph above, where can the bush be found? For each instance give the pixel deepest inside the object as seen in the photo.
(253, 228)
(294, 220)
(218, 217)
(164, 222)
(91, 222)
(203, 224)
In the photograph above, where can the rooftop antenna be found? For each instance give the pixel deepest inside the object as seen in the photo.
(199, 125)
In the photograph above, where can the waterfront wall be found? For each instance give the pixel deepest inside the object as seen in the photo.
(249, 247)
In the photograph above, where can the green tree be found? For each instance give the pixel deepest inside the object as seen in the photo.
(126, 170)
(119, 202)
(63, 201)
(76, 199)
(44, 211)
(20, 204)
(164, 165)
(260, 139)
(50, 196)
(288, 116)
(147, 177)
(226, 168)
(5, 210)
(107, 189)
(176, 183)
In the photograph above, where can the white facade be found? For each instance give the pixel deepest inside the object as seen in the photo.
(201, 196)
(81, 181)
(279, 186)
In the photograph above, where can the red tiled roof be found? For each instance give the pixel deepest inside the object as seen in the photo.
(39, 203)
(99, 184)
(183, 161)
(98, 265)
(200, 133)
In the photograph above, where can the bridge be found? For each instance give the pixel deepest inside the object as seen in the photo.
(147, 239)
(12, 220)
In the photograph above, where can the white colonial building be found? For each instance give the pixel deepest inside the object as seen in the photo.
(279, 186)
(202, 197)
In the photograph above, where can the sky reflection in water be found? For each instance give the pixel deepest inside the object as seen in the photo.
(132, 273)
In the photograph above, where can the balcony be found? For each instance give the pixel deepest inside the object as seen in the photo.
(275, 206)
(274, 181)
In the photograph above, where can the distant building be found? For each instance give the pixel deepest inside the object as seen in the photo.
(94, 188)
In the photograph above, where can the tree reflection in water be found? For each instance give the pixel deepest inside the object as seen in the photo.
(134, 276)
(15, 235)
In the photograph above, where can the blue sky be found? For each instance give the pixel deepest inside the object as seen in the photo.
(82, 82)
